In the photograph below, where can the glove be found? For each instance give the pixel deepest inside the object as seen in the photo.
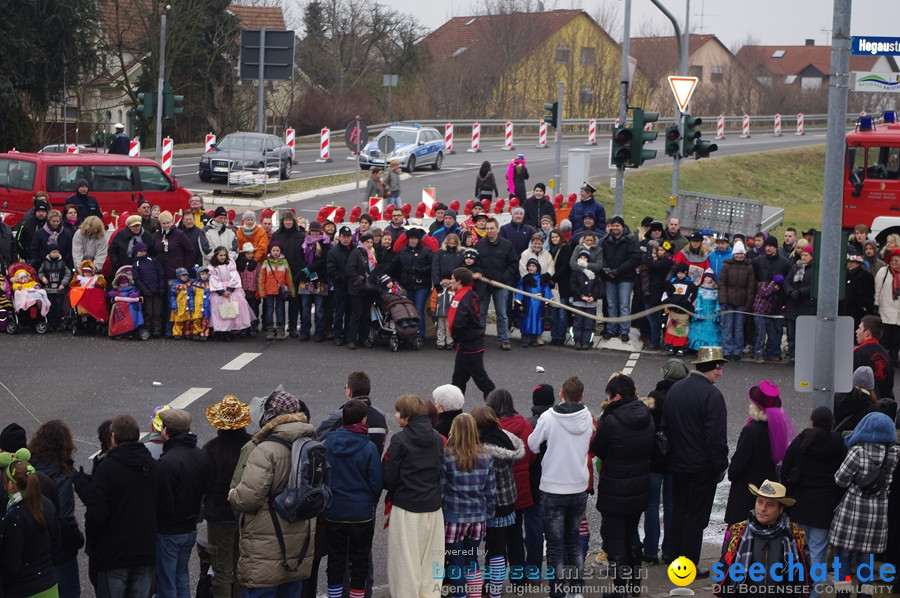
(528, 280)
(545, 278)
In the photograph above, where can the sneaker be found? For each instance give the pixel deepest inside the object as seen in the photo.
(679, 353)
(624, 338)
(504, 346)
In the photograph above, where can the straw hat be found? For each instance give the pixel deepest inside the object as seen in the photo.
(229, 414)
(773, 491)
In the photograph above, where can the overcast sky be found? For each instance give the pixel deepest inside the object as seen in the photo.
(768, 22)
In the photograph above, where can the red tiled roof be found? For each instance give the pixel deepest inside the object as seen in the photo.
(796, 59)
(259, 17)
(658, 56)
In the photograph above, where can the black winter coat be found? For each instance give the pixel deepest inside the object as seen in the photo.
(535, 209)
(42, 240)
(223, 453)
(149, 276)
(808, 471)
(751, 464)
(624, 441)
(443, 264)
(178, 252)
(412, 471)
(87, 205)
(189, 473)
(580, 285)
(798, 295)
(9, 248)
(25, 551)
(467, 329)
(337, 265)
(498, 260)
(655, 278)
(517, 234)
(357, 269)
(25, 232)
(850, 408)
(119, 254)
(291, 240)
(765, 267)
(859, 295)
(655, 401)
(412, 267)
(696, 421)
(621, 256)
(563, 271)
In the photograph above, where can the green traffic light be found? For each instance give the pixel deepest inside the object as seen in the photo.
(147, 108)
(639, 121)
(621, 150)
(691, 135)
(673, 136)
(553, 118)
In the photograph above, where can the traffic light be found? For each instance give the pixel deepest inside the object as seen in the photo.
(552, 118)
(673, 136)
(638, 121)
(691, 134)
(148, 104)
(171, 102)
(621, 147)
(702, 149)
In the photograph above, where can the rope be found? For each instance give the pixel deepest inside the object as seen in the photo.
(21, 404)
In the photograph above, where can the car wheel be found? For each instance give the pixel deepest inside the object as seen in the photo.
(286, 170)
(438, 161)
(411, 165)
(205, 177)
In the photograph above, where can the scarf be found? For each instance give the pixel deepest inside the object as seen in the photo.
(370, 255)
(309, 245)
(15, 499)
(895, 284)
(129, 252)
(358, 428)
(249, 231)
(53, 235)
(798, 275)
(755, 532)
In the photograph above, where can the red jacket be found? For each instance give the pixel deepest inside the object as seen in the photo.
(518, 425)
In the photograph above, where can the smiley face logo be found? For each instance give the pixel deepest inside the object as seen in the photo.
(682, 571)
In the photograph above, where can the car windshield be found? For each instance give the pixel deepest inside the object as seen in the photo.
(241, 143)
(400, 136)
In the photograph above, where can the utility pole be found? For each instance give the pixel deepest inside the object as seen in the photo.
(558, 175)
(623, 107)
(160, 82)
(831, 261)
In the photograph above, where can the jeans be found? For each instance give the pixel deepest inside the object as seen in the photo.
(561, 516)
(285, 590)
(732, 332)
(618, 301)
(499, 297)
(223, 553)
(558, 321)
(305, 319)
(67, 580)
(462, 565)
(392, 200)
(273, 303)
(341, 323)
(659, 483)
(125, 583)
(768, 337)
(655, 320)
(790, 326)
(420, 298)
(534, 535)
(173, 555)
(847, 557)
(817, 540)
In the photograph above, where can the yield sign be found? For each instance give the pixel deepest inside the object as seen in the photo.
(682, 89)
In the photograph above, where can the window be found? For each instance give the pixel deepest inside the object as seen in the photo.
(111, 178)
(695, 70)
(563, 53)
(586, 96)
(153, 179)
(588, 56)
(715, 73)
(810, 83)
(62, 178)
(17, 174)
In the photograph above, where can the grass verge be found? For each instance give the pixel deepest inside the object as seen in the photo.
(307, 184)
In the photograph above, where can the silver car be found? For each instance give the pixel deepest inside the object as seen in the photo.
(245, 151)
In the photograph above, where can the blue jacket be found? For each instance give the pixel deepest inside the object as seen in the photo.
(717, 258)
(149, 276)
(356, 476)
(588, 206)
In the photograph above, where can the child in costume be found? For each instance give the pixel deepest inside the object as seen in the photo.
(26, 290)
(201, 305)
(126, 314)
(705, 329)
(5, 302)
(248, 268)
(680, 293)
(87, 293)
(532, 322)
(181, 305)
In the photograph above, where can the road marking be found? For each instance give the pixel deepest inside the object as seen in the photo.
(188, 397)
(629, 365)
(240, 361)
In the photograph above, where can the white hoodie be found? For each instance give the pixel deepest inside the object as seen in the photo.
(567, 428)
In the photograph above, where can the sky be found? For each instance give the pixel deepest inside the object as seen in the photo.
(767, 22)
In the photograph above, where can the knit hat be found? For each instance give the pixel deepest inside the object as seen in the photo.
(281, 403)
(674, 370)
(738, 249)
(470, 253)
(51, 247)
(515, 210)
(547, 217)
(808, 249)
(316, 226)
(179, 272)
(138, 246)
(588, 216)
(450, 213)
(771, 241)
(277, 244)
(682, 267)
(647, 221)
(540, 186)
(141, 202)
(177, 421)
(617, 220)
(220, 211)
(248, 214)
(738, 237)
(822, 418)
(543, 395)
(448, 396)
(584, 253)
(40, 204)
(82, 182)
(765, 395)
(864, 377)
(229, 414)
(247, 247)
(12, 438)
(366, 237)
(778, 279)
(132, 220)
(708, 273)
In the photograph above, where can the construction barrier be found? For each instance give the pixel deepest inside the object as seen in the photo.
(542, 135)
(508, 144)
(799, 124)
(71, 149)
(476, 138)
(720, 127)
(448, 138)
(134, 148)
(325, 146)
(592, 131)
(289, 141)
(210, 142)
(745, 129)
(777, 125)
(167, 156)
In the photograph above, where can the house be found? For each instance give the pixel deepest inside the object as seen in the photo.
(508, 66)
(724, 86)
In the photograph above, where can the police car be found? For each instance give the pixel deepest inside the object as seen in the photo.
(414, 146)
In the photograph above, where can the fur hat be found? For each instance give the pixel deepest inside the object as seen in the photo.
(543, 395)
(229, 414)
(448, 396)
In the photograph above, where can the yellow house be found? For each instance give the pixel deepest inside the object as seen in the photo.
(509, 65)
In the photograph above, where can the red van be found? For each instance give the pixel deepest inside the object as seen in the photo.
(117, 181)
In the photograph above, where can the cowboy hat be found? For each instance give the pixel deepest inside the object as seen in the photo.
(773, 491)
(229, 414)
(709, 355)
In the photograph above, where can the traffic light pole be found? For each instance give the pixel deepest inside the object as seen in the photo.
(558, 175)
(831, 262)
(623, 107)
(160, 83)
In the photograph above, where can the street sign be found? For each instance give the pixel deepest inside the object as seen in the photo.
(843, 355)
(389, 81)
(875, 46)
(683, 89)
(386, 144)
(277, 53)
(352, 135)
(875, 82)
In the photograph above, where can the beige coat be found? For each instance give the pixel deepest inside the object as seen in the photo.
(261, 564)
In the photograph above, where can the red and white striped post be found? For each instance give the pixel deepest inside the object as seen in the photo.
(167, 155)
(745, 129)
(134, 148)
(71, 149)
(799, 124)
(324, 146)
(448, 138)
(289, 140)
(508, 144)
(476, 138)
(592, 131)
(209, 143)
(542, 135)
(777, 125)
(618, 122)
(720, 127)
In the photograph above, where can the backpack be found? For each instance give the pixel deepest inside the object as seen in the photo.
(308, 491)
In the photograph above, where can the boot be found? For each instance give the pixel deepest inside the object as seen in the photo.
(270, 333)
(637, 571)
(616, 584)
(279, 333)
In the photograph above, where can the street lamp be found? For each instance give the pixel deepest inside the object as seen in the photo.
(160, 79)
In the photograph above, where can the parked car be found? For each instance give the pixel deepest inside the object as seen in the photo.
(414, 146)
(245, 151)
(63, 148)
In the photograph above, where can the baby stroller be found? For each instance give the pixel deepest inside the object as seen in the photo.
(30, 302)
(87, 296)
(396, 316)
(126, 315)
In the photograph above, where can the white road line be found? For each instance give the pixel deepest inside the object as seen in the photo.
(240, 361)
(629, 365)
(188, 397)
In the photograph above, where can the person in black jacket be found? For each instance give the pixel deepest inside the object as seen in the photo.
(851, 407)
(230, 417)
(537, 206)
(808, 471)
(413, 269)
(624, 442)
(291, 236)
(337, 277)
(654, 282)
(87, 205)
(621, 257)
(358, 386)
(33, 220)
(466, 327)
(189, 474)
(312, 281)
(859, 293)
(798, 296)
(360, 265)
(128, 494)
(447, 259)
(872, 353)
(499, 261)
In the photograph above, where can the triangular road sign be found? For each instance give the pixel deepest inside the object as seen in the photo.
(682, 89)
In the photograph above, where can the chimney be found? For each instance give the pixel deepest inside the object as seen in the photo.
(810, 42)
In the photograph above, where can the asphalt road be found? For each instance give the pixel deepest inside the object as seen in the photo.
(84, 380)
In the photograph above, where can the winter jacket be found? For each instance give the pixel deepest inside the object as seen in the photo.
(90, 248)
(874, 355)
(356, 476)
(751, 463)
(445, 420)
(357, 270)
(737, 284)
(769, 300)
(222, 452)
(42, 240)
(621, 256)
(71, 538)
(412, 267)
(696, 423)
(464, 321)
(587, 206)
(258, 238)
(850, 408)
(149, 276)
(515, 181)
(441, 232)
(767, 266)
(717, 258)
(544, 260)
(498, 259)
(57, 273)
(87, 205)
(517, 234)
(582, 286)
(808, 474)
(128, 493)
(273, 276)
(25, 232)
(412, 470)
(337, 265)
(487, 186)
(173, 250)
(505, 448)
(9, 248)
(189, 474)
(468, 496)
(261, 563)
(798, 295)
(888, 307)
(562, 270)
(536, 209)
(655, 402)
(121, 248)
(375, 421)
(860, 298)
(25, 550)
(248, 270)
(655, 278)
(567, 428)
(518, 425)
(624, 442)
(291, 240)
(443, 264)
(218, 235)
(595, 262)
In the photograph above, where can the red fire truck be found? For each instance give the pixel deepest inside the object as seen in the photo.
(872, 177)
